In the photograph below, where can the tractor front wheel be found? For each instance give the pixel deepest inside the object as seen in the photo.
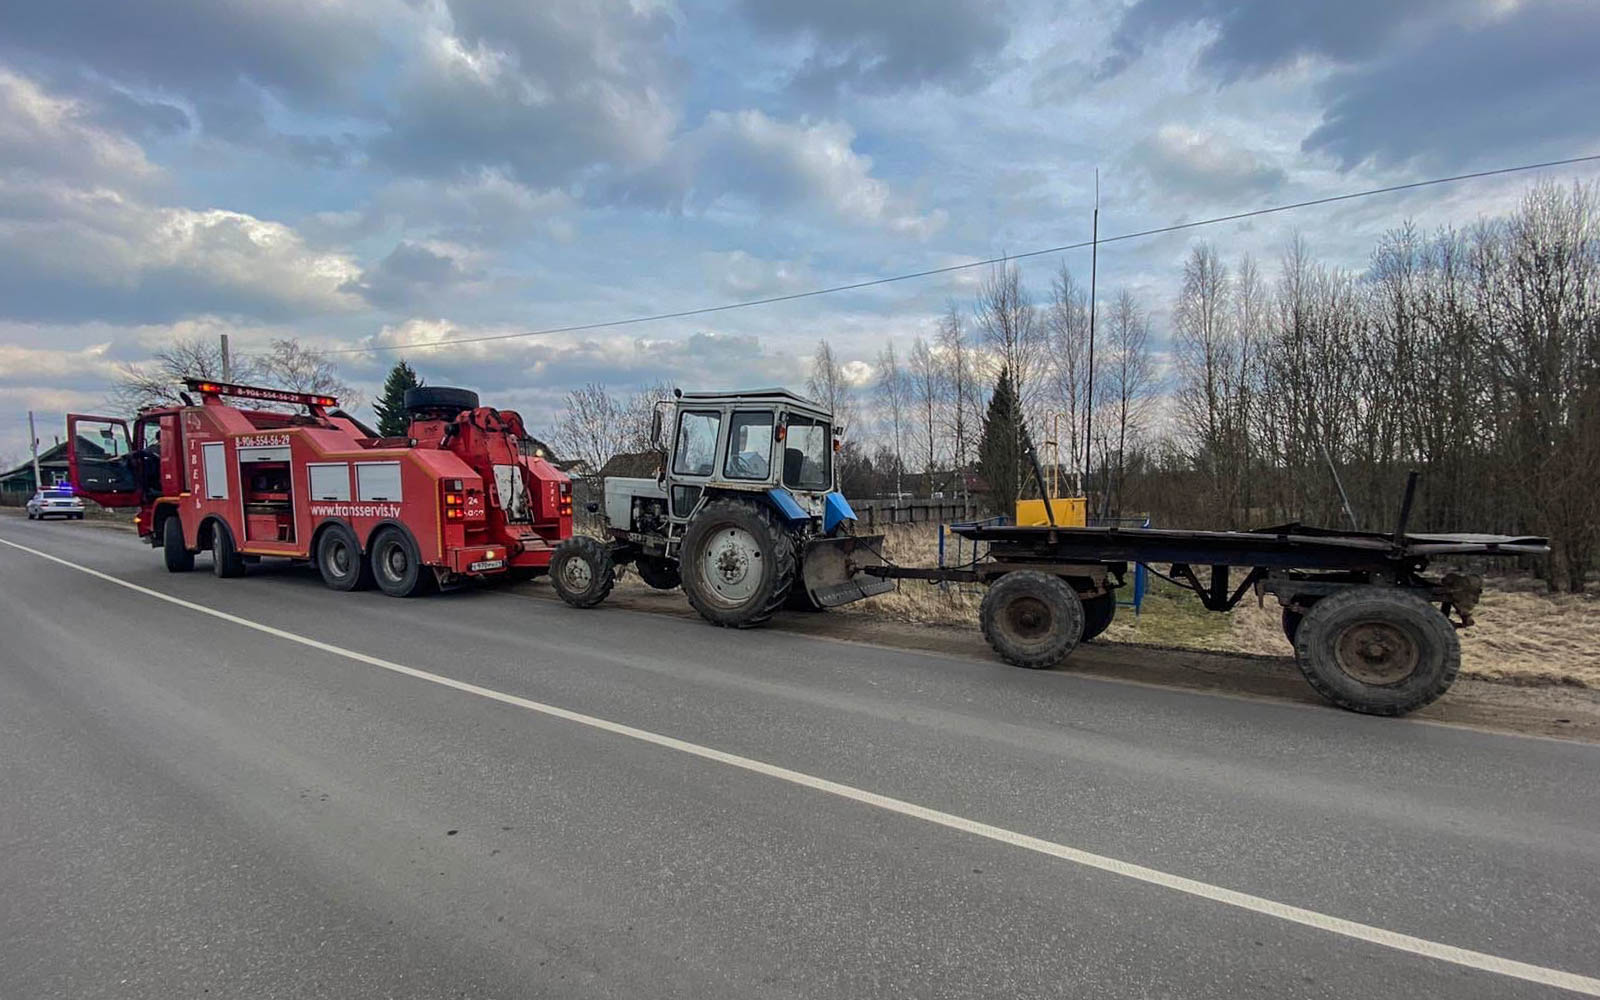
(737, 564)
(581, 571)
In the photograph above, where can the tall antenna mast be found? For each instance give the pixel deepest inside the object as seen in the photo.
(1094, 262)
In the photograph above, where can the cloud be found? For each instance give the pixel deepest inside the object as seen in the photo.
(542, 92)
(1254, 36)
(1498, 85)
(886, 45)
(745, 158)
(92, 253)
(740, 275)
(414, 271)
(46, 135)
(1183, 162)
(308, 55)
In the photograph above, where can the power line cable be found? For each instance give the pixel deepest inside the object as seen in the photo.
(949, 269)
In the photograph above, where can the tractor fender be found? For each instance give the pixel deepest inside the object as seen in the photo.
(786, 505)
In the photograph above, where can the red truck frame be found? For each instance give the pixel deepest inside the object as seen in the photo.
(465, 494)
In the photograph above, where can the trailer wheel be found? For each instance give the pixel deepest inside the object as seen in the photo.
(340, 561)
(581, 571)
(396, 565)
(1291, 623)
(173, 552)
(1031, 619)
(737, 564)
(656, 572)
(1376, 650)
(225, 561)
(1098, 611)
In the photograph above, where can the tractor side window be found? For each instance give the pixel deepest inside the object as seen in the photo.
(807, 448)
(749, 445)
(696, 454)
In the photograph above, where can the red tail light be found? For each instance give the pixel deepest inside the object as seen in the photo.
(564, 506)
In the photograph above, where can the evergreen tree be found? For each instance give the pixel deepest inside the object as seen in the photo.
(1003, 449)
(391, 406)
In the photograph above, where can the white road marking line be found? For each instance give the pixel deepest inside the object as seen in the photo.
(1465, 957)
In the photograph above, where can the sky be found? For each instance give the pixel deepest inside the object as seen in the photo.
(366, 175)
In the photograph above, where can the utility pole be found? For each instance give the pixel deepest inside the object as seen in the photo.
(227, 367)
(1094, 264)
(33, 446)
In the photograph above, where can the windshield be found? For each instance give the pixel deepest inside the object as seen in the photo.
(807, 450)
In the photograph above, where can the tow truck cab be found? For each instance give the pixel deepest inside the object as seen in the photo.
(465, 494)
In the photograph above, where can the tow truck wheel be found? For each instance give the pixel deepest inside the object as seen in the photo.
(396, 565)
(178, 558)
(1377, 650)
(225, 561)
(1031, 619)
(581, 571)
(658, 573)
(340, 561)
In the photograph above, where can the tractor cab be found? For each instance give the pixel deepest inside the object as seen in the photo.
(742, 513)
(767, 441)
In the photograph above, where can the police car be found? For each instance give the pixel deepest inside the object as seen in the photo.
(55, 501)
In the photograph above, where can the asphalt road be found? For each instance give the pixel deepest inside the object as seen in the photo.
(267, 805)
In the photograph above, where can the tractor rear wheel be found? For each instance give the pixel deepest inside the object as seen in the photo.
(737, 564)
(656, 572)
(1031, 619)
(173, 552)
(1377, 650)
(396, 564)
(581, 571)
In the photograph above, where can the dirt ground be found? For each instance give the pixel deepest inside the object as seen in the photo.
(1531, 665)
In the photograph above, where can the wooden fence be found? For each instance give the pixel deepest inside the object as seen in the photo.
(873, 513)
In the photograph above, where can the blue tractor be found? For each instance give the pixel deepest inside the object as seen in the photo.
(743, 514)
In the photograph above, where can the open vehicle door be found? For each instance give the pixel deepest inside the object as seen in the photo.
(98, 461)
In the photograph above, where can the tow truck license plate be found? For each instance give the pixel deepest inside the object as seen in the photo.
(481, 565)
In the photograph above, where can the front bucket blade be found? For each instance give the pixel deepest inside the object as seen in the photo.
(831, 569)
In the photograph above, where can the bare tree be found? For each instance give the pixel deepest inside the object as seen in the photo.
(288, 365)
(828, 385)
(594, 428)
(893, 394)
(158, 381)
(925, 388)
(638, 415)
(1132, 382)
(1205, 349)
(962, 395)
(1067, 323)
(1009, 325)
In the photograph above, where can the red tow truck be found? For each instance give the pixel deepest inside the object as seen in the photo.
(465, 494)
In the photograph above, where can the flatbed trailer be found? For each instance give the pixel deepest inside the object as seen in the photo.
(1372, 632)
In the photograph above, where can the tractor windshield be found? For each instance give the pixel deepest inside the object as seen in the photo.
(807, 449)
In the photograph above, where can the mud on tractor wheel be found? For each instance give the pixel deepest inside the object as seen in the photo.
(737, 564)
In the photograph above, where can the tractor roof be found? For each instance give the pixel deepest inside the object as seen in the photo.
(755, 396)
